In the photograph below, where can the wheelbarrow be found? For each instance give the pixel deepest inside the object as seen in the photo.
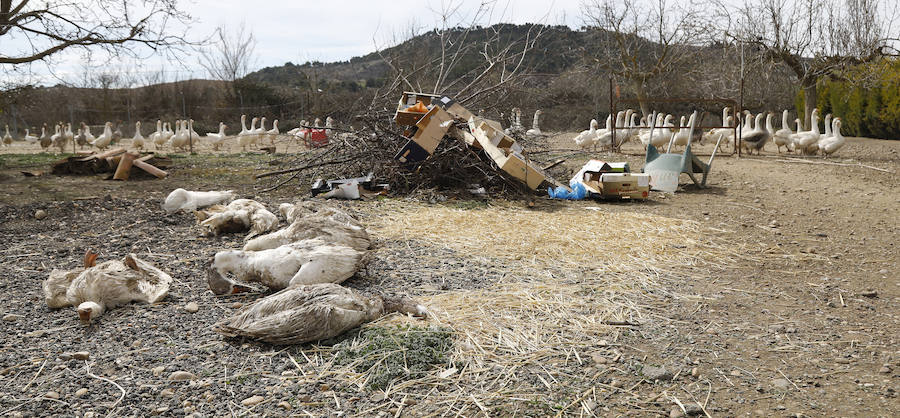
(665, 168)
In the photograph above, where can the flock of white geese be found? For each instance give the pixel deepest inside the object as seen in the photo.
(181, 138)
(754, 133)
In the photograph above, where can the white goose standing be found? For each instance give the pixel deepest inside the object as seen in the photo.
(138, 140)
(535, 131)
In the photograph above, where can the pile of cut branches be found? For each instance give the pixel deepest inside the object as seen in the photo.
(454, 168)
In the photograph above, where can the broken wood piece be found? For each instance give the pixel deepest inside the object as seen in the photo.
(554, 164)
(32, 173)
(123, 170)
(146, 157)
(105, 154)
(150, 169)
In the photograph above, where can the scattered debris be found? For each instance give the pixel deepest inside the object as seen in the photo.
(611, 180)
(117, 161)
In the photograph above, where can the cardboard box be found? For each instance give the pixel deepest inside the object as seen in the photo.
(496, 137)
(432, 128)
(529, 172)
(625, 185)
(404, 118)
(412, 155)
(454, 109)
(513, 163)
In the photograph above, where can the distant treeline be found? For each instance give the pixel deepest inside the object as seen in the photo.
(563, 81)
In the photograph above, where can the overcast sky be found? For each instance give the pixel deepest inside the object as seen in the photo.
(301, 31)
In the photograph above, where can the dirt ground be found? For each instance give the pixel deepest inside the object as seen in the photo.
(802, 320)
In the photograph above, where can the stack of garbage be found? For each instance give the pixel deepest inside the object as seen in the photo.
(429, 145)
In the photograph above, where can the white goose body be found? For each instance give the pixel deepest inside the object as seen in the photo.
(305, 262)
(29, 138)
(803, 139)
(586, 139)
(273, 133)
(247, 136)
(98, 288)
(535, 131)
(105, 139)
(239, 215)
(217, 139)
(180, 139)
(138, 140)
(329, 226)
(189, 201)
(7, 138)
(782, 136)
(836, 141)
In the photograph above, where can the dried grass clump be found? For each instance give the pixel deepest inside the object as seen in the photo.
(579, 273)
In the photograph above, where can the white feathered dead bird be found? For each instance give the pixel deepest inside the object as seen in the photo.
(303, 314)
(239, 215)
(95, 288)
(328, 224)
(310, 261)
(180, 199)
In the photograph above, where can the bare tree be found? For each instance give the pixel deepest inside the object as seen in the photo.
(641, 40)
(32, 31)
(231, 55)
(473, 61)
(816, 38)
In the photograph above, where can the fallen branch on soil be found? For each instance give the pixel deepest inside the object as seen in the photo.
(112, 408)
(800, 161)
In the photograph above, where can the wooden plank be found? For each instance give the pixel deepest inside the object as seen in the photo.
(150, 169)
(105, 154)
(124, 168)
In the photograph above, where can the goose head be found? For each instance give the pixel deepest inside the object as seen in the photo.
(404, 305)
(225, 262)
(594, 125)
(87, 311)
(836, 127)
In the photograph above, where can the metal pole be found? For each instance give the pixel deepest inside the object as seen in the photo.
(611, 111)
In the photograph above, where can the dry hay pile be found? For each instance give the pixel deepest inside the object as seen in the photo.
(581, 272)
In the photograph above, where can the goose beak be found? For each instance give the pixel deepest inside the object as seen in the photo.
(84, 315)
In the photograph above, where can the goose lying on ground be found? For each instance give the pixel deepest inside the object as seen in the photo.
(303, 314)
(99, 287)
(310, 261)
(330, 225)
(239, 215)
(180, 199)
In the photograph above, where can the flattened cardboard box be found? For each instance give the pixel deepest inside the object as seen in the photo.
(432, 128)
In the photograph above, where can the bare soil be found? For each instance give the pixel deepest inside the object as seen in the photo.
(804, 323)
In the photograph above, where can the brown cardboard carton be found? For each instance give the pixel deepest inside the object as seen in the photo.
(625, 185)
(432, 128)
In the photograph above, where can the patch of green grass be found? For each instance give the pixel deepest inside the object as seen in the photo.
(471, 204)
(29, 160)
(394, 354)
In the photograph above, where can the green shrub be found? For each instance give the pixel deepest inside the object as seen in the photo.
(872, 111)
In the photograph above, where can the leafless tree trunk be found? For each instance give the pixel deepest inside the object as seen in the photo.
(231, 55)
(641, 41)
(816, 38)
